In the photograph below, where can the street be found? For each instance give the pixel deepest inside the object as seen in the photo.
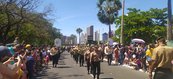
(68, 69)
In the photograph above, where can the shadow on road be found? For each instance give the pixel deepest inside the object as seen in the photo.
(63, 67)
(106, 78)
(43, 73)
(75, 75)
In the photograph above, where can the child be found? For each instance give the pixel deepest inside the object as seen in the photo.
(47, 60)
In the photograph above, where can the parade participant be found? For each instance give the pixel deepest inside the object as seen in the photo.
(95, 61)
(161, 60)
(53, 53)
(76, 54)
(102, 52)
(87, 58)
(81, 56)
(108, 51)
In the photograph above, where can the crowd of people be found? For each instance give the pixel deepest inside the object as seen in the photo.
(137, 56)
(134, 56)
(91, 55)
(22, 61)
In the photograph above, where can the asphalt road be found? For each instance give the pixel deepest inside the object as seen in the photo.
(68, 69)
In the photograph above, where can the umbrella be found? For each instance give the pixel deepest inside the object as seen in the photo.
(136, 40)
(115, 43)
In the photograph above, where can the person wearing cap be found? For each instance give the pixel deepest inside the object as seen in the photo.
(161, 61)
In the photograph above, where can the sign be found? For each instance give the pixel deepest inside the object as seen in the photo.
(57, 42)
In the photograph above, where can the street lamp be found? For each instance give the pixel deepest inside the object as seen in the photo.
(122, 23)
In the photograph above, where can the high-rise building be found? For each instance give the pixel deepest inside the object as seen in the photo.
(74, 41)
(97, 36)
(67, 40)
(63, 39)
(105, 37)
(90, 32)
(83, 38)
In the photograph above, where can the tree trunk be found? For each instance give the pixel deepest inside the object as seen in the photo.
(110, 33)
(79, 38)
(169, 27)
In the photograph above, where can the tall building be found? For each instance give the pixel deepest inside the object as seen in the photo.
(90, 31)
(74, 40)
(63, 39)
(105, 37)
(83, 38)
(67, 40)
(97, 36)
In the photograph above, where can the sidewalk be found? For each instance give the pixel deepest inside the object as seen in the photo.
(127, 66)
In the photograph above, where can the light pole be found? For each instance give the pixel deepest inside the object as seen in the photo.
(122, 23)
(169, 27)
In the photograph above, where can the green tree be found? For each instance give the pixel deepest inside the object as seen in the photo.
(19, 18)
(79, 30)
(12, 14)
(147, 25)
(108, 11)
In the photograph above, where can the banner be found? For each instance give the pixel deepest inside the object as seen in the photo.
(57, 42)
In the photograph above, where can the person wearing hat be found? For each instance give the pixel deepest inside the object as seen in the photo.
(161, 61)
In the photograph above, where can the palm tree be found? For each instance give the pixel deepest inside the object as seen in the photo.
(108, 11)
(169, 27)
(79, 30)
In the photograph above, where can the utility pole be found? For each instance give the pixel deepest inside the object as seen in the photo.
(122, 23)
(169, 27)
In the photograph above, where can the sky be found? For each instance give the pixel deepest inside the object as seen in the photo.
(68, 15)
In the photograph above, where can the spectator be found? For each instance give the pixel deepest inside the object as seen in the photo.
(108, 51)
(30, 65)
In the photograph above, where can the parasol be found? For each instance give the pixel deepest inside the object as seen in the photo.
(136, 40)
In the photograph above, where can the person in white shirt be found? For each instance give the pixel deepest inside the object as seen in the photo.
(108, 52)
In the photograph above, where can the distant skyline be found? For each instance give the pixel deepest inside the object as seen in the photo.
(68, 15)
